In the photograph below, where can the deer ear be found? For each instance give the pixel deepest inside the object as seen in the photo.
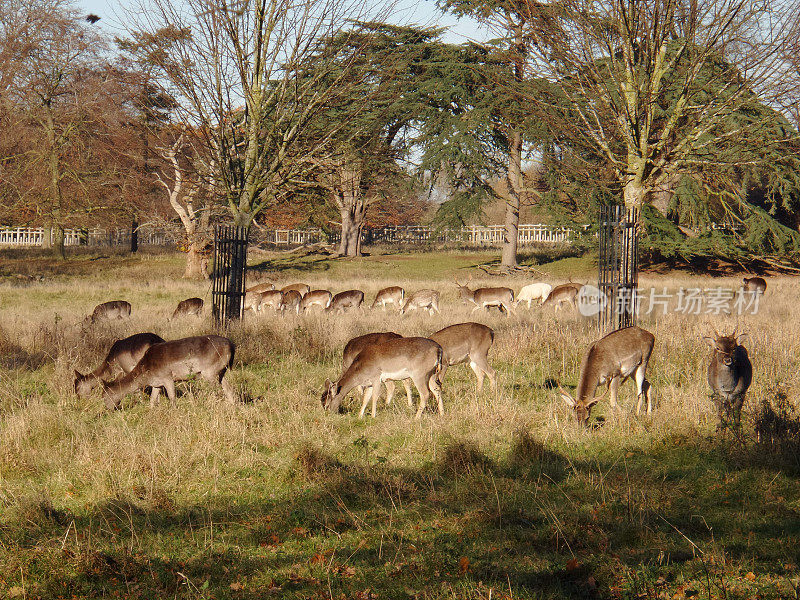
(741, 337)
(78, 374)
(709, 341)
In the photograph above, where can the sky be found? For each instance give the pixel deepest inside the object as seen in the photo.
(419, 12)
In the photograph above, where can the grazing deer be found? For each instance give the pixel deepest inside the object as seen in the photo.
(357, 345)
(291, 300)
(115, 309)
(390, 295)
(755, 284)
(252, 301)
(394, 359)
(534, 291)
(501, 297)
(262, 287)
(321, 298)
(190, 306)
(422, 300)
(163, 364)
(301, 288)
(729, 375)
(272, 299)
(611, 360)
(351, 299)
(124, 354)
(563, 294)
(467, 342)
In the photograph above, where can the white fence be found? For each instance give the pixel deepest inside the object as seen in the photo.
(473, 235)
(35, 237)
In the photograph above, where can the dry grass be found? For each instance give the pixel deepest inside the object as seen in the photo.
(150, 490)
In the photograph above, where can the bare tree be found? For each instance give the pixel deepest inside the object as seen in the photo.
(654, 86)
(186, 197)
(244, 77)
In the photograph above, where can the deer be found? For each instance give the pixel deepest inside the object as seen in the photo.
(422, 300)
(756, 285)
(301, 288)
(729, 375)
(252, 300)
(534, 291)
(611, 360)
(261, 287)
(348, 300)
(390, 295)
(163, 364)
(419, 358)
(566, 293)
(115, 309)
(501, 297)
(467, 342)
(123, 354)
(188, 307)
(272, 299)
(321, 298)
(290, 300)
(357, 345)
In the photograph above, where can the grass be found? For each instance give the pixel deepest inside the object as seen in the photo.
(503, 497)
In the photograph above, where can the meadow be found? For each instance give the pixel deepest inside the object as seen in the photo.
(504, 496)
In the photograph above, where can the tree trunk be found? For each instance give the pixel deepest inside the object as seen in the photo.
(352, 223)
(634, 193)
(515, 184)
(197, 260)
(59, 251)
(352, 209)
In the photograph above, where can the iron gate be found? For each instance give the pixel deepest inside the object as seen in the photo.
(618, 267)
(228, 276)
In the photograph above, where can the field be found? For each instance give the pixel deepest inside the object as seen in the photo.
(504, 496)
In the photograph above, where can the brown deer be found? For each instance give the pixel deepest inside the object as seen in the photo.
(252, 301)
(468, 342)
(321, 298)
(563, 294)
(271, 299)
(301, 288)
(729, 375)
(422, 300)
(390, 295)
(755, 284)
(124, 354)
(357, 345)
(163, 364)
(291, 300)
(501, 297)
(188, 307)
(396, 359)
(349, 300)
(611, 360)
(115, 309)
(261, 287)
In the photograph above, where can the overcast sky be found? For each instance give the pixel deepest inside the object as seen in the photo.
(419, 12)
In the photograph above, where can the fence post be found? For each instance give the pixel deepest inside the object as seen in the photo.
(229, 273)
(618, 267)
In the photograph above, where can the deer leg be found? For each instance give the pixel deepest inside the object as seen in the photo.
(436, 387)
(155, 392)
(613, 387)
(389, 391)
(227, 388)
(482, 363)
(639, 376)
(367, 394)
(424, 394)
(407, 385)
(169, 387)
(478, 373)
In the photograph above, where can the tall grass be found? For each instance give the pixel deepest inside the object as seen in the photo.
(503, 495)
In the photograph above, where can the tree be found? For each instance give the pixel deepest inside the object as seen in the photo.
(654, 87)
(244, 80)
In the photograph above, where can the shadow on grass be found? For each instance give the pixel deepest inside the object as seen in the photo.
(537, 524)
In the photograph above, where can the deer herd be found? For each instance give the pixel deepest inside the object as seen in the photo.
(379, 359)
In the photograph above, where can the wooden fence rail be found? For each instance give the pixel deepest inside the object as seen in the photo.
(35, 236)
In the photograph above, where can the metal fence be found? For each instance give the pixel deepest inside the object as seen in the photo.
(618, 266)
(31, 237)
(228, 276)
